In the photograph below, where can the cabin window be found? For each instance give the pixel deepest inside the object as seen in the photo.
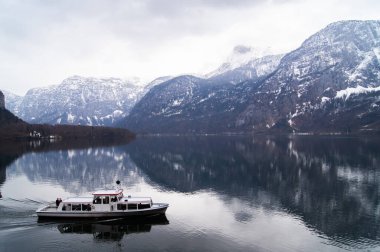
(121, 207)
(144, 205)
(114, 199)
(106, 200)
(132, 206)
(66, 207)
(76, 207)
(86, 207)
(102, 200)
(97, 200)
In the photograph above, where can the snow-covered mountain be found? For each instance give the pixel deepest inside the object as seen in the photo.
(305, 90)
(188, 103)
(249, 70)
(330, 83)
(12, 101)
(80, 100)
(342, 56)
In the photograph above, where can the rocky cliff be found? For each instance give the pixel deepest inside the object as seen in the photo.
(2, 101)
(6, 117)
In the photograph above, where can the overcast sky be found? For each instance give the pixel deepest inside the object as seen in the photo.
(43, 42)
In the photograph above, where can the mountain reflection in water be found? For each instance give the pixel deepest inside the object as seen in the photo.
(331, 184)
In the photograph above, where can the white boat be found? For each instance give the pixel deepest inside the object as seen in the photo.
(103, 204)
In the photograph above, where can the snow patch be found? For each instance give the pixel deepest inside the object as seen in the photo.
(377, 53)
(89, 121)
(70, 118)
(346, 93)
(208, 97)
(174, 113)
(325, 99)
(177, 102)
(117, 113)
(357, 74)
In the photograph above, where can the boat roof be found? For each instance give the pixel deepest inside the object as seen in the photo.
(136, 199)
(87, 200)
(78, 200)
(112, 192)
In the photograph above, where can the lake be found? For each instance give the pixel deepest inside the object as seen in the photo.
(226, 193)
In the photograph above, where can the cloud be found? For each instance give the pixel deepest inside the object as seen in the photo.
(241, 49)
(43, 42)
(134, 19)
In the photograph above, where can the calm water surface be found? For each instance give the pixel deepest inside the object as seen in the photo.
(299, 193)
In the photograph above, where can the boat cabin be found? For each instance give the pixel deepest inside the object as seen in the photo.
(107, 196)
(128, 203)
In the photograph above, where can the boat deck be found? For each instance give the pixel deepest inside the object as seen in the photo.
(50, 208)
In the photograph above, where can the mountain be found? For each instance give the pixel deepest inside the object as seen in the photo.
(80, 101)
(6, 117)
(12, 101)
(187, 104)
(251, 70)
(329, 84)
(168, 101)
(13, 128)
(156, 82)
(306, 92)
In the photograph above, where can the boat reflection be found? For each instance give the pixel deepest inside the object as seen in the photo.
(111, 230)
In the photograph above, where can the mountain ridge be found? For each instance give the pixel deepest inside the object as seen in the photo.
(328, 84)
(79, 101)
(342, 55)
(13, 128)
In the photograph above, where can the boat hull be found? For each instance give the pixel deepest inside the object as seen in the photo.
(159, 209)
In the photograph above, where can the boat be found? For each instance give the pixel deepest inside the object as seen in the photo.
(110, 203)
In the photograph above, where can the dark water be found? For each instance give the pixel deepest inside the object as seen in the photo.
(298, 193)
